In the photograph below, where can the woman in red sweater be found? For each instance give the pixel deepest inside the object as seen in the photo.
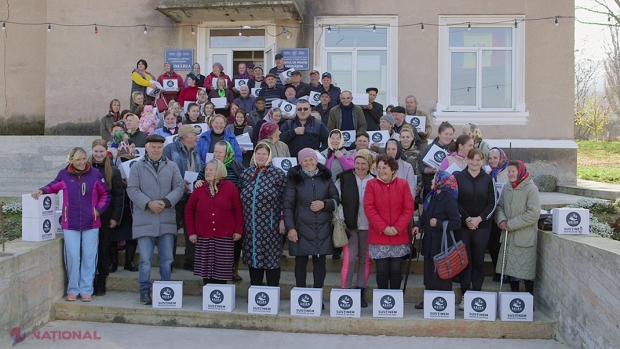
(389, 207)
(214, 222)
(189, 94)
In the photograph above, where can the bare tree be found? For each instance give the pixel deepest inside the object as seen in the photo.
(585, 81)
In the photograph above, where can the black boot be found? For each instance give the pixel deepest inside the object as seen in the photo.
(363, 302)
(100, 288)
(113, 257)
(130, 252)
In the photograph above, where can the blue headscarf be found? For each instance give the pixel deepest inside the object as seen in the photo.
(444, 181)
(503, 163)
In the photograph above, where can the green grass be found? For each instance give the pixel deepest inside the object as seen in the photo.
(599, 161)
(12, 226)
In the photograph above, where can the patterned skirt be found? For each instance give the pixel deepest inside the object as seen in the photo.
(388, 251)
(214, 258)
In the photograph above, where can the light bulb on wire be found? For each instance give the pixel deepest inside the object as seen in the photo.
(422, 26)
(374, 28)
(193, 32)
(49, 27)
(469, 26)
(240, 33)
(145, 31)
(329, 28)
(96, 30)
(556, 21)
(516, 25)
(3, 25)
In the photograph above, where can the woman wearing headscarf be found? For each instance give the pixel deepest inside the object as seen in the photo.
(394, 149)
(170, 74)
(222, 91)
(310, 198)
(270, 135)
(112, 215)
(351, 185)
(141, 79)
(497, 165)
(214, 238)
(262, 191)
(338, 159)
(517, 213)
(474, 132)
(273, 115)
(196, 73)
(110, 118)
(85, 197)
(388, 205)
(211, 82)
(440, 205)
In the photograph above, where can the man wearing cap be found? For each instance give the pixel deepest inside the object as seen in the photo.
(155, 186)
(279, 69)
(272, 91)
(373, 111)
(250, 70)
(323, 108)
(301, 88)
(398, 113)
(182, 151)
(411, 104)
(347, 116)
(259, 111)
(258, 80)
(315, 84)
(304, 131)
(334, 92)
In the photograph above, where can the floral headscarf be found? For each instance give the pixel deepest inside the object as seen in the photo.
(230, 154)
(444, 181)
(367, 155)
(220, 173)
(503, 163)
(521, 175)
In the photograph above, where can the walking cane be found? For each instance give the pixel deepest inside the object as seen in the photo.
(501, 283)
(409, 264)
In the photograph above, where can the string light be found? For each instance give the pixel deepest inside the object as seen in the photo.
(49, 27)
(469, 26)
(329, 28)
(374, 28)
(193, 32)
(422, 26)
(145, 31)
(240, 33)
(96, 30)
(516, 25)
(556, 21)
(284, 31)
(3, 25)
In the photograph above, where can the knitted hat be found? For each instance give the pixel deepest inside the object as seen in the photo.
(389, 118)
(219, 65)
(306, 152)
(266, 130)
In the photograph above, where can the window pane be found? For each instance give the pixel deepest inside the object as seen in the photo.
(372, 72)
(356, 37)
(497, 79)
(463, 79)
(481, 37)
(222, 59)
(230, 38)
(339, 65)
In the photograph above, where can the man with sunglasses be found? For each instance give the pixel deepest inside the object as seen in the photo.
(304, 131)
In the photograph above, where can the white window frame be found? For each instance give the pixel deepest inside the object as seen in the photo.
(390, 22)
(518, 114)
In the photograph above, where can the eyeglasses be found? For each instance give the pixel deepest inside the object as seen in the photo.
(303, 109)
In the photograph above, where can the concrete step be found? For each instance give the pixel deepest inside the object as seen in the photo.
(124, 307)
(288, 264)
(592, 189)
(552, 200)
(125, 281)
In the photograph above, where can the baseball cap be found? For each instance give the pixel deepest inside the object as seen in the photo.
(326, 74)
(279, 55)
(296, 72)
(315, 72)
(271, 75)
(185, 129)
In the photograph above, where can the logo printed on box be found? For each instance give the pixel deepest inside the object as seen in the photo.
(440, 304)
(198, 128)
(415, 122)
(47, 226)
(241, 82)
(286, 164)
(47, 203)
(169, 83)
(304, 301)
(346, 136)
(316, 97)
(288, 108)
(166, 293)
(377, 137)
(216, 296)
(387, 302)
(573, 219)
(478, 304)
(439, 156)
(345, 302)
(517, 305)
(261, 299)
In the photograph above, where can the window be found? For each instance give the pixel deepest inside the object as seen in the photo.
(481, 70)
(358, 57)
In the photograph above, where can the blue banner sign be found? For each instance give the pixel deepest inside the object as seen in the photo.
(298, 58)
(180, 59)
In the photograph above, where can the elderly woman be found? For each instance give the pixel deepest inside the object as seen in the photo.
(201, 98)
(309, 200)
(352, 185)
(497, 169)
(440, 205)
(141, 79)
(338, 159)
(110, 217)
(410, 153)
(262, 191)
(211, 82)
(221, 91)
(386, 123)
(457, 153)
(133, 130)
(111, 117)
(214, 238)
(170, 74)
(388, 205)
(85, 197)
(443, 140)
(137, 100)
(196, 73)
(207, 140)
(270, 135)
(476, 205)
(273, 115)
(394, 149)
(517, 213)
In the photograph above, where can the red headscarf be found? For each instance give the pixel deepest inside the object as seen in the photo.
(117, 115)
(521, 175)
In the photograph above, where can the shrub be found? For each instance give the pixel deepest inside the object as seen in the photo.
(12, 207)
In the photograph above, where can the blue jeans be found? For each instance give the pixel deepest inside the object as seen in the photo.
(81, 260)
(146, 246)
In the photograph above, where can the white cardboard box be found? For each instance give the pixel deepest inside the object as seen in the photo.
(306, 301)
(58, 217)
(284, 163)
(315, 98)
(126, 167)
(264, 300)
(255, 91)
(568, 220)
(387, 303)
(516, 306)
(345, 302)
(435, 156)
(439, 305)
(38, 229)
(168, 294)
(480, 306)
(417, 122)
(220, 298)
(349, 137)
(361, 99)
(379, 137)
(44, 207)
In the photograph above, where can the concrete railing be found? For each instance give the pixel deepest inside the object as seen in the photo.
(579, 285)
(31, 281)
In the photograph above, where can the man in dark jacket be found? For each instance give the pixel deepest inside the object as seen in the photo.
(304, 131)
(323, 108)
(373, 111)
(279, 69)
(271, 92)
(301, 88)
(334, 92)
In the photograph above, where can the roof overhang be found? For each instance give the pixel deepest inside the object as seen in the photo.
(233, 11)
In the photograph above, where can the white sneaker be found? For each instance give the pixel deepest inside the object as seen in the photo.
(462, 305)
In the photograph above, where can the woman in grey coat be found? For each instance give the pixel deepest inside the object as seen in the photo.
(517, 213)
(310, 198)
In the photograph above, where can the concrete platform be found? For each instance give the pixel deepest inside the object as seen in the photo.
(124, 308)
(606, 191)
(115, 336)
(552, 200)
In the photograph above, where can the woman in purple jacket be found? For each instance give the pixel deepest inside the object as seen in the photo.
(85, 197)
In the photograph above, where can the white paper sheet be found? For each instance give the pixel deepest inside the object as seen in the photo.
(287, 108)
(284, 163)
(171, 84)
(435, 156)
(219, 103)
(379, 137)
(241, 82)
(453, 168)
(191, 177)
(285, 75)
(418, 122)
(315, 98)
(255, 91)
(360, 99)
(349, 137)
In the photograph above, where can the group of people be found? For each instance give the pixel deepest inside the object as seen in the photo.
(242, 208)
